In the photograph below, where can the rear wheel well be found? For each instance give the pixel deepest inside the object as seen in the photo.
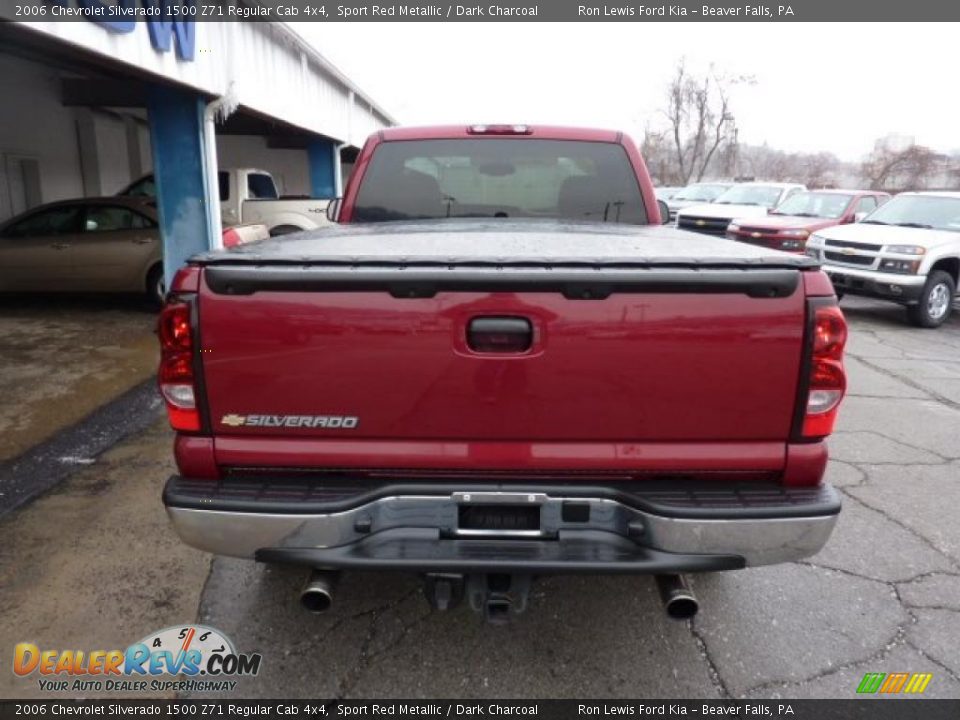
(150, 271)
(153, 285)
(950, 266)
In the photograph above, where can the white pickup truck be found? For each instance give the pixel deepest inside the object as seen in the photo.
(248, 195)
(907, 251)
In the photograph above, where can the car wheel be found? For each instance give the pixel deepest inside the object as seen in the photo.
(156, 287)
(284, 230)
(935, 302)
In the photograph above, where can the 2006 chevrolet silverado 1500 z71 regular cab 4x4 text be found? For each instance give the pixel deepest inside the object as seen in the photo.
(500, 365)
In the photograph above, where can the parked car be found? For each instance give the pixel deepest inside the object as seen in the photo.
(109, 244)
(696, 194)
(665, 193)
(788, 226)
(907, 251)
(509, 370)
(752, 199)
(102, 245)
(247, 196)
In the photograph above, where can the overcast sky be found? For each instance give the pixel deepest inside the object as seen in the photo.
(834, 87)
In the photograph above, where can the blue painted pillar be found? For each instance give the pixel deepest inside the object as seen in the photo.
(176, 139)
(324, 167)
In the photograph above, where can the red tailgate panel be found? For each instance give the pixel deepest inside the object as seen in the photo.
(629, 368)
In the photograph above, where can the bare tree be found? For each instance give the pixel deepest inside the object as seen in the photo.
(813, 169)
(655, 148)
(766, 163)
(955, 170)
(701, 120)
(890, 168)
(818, 170)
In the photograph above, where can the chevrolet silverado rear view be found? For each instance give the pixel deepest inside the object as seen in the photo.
(500, 365)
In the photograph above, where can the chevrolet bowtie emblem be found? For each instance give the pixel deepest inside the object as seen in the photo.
(701, 222)
(754, 234)
(849, 251)
(233, 420)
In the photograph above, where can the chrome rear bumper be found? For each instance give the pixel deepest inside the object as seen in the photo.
(758, 529)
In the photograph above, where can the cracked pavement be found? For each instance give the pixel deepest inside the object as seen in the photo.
(883, 596)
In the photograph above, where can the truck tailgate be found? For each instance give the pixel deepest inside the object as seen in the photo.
(606, 377)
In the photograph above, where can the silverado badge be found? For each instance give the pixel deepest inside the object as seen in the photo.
(345, 422)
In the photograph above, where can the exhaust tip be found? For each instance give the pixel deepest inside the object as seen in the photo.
(678, 599)
(316, 601)
(317, 593)
(682, 608)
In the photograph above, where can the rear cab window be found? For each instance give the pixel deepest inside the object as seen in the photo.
(500, 178)
(261, 187)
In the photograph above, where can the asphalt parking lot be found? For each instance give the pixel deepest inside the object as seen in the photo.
(62, 356)
(92, 563)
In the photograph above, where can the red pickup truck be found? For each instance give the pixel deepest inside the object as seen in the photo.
(500, 365)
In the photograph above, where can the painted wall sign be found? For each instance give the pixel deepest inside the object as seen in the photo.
(165, 20)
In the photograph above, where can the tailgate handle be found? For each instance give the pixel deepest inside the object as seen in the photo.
(500, 334)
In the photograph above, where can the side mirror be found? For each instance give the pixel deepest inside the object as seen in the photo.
(333, 209)
(857, 217)
(664, 212)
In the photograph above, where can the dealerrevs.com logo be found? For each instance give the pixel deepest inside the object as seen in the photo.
(203, 655)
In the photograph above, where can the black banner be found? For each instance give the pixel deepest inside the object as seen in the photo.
(108, 11)
(875, 709)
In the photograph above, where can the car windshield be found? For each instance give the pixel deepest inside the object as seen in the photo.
(700, 193)
(500, 178)
(921, 211)
(814, 204)
(764, 195)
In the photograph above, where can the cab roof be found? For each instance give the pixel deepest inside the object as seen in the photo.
(541, 132)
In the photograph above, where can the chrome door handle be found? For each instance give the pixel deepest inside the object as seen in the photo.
(60, 246)
(141, 241)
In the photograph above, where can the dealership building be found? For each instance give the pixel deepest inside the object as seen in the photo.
(90, 106)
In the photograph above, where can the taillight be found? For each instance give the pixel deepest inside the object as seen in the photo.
(500, 130)
(827, 381)
(176, 375)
